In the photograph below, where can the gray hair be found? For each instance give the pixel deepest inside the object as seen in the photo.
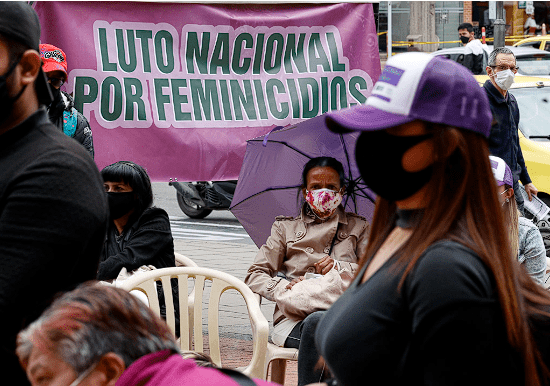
(492, 61)
(93, 320)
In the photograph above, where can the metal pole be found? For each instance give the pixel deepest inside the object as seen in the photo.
(389, 30)
(499, 26)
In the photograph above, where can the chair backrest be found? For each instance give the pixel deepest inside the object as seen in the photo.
(221, 282)
(184, 261)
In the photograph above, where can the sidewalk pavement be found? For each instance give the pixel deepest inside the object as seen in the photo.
(235, 330)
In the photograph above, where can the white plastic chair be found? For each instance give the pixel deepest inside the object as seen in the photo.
(184, 261)
(221, 282)
(277, 356)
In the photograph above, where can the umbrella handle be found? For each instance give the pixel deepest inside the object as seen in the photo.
(264, 143)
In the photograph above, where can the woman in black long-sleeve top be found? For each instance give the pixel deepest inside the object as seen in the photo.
(138, 233)
(440, 298)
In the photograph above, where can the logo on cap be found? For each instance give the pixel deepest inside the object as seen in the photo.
(56, 55)
(389, 78)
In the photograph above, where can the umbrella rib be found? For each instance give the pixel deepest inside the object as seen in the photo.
(283, 143)
(266, 190)
(345, 153)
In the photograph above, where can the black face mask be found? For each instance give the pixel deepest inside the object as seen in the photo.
(56, 93)
(379, 159)
(7, 102)
(464, 39)
(120, 203)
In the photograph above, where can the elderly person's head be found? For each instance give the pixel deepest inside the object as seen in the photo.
(89, 336)
(501, 68)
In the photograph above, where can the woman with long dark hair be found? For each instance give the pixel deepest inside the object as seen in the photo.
(524, 235)
(439, 298)
(138, 234)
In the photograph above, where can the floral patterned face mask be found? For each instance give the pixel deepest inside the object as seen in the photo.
(323, 201)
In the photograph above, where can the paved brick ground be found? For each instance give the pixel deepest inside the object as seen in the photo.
(235, 330)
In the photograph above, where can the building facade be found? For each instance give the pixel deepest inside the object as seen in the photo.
(436, 22)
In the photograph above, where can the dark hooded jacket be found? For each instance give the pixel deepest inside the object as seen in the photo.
(63, 102)
(147, 241)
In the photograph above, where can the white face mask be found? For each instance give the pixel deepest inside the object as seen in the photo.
(504, 79)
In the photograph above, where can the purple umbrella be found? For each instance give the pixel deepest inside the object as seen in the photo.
(270, 177)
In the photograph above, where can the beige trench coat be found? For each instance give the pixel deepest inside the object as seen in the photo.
(296, 244)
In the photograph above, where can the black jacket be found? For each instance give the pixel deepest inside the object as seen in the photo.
(473, 63)
(53, 217)
(83, 133)
(148, 241)
(473, 57)
(504, 137)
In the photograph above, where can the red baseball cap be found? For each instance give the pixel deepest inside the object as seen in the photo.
(53, 58)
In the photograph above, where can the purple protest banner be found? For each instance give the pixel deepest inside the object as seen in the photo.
(179, 88)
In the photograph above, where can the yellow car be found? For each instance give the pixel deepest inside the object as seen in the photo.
(533, 96)
(540, 42)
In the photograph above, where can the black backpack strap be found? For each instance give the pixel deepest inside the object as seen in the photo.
(239, 377)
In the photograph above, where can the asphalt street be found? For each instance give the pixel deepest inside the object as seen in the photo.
(220, 225)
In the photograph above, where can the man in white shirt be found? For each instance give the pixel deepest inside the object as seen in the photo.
(529, 24)
(473, 57)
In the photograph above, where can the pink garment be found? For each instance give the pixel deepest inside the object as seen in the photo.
(168, 369)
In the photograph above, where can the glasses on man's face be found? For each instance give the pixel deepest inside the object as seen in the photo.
(56, 82)
(504, 68)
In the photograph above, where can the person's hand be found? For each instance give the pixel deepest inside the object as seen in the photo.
(294, 281)
(324, 265)
(531, 190)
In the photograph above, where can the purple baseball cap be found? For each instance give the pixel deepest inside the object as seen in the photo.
(501, 171)
(420, 86)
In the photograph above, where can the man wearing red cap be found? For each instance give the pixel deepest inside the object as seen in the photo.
(61, 111)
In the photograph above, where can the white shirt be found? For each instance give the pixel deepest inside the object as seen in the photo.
(530, 23)
(474, 47)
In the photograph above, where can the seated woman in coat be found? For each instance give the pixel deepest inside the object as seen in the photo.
(322, 236)
(138, 234)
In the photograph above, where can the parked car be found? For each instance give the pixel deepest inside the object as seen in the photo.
(533, 96)
(538, 42)
(530, 61)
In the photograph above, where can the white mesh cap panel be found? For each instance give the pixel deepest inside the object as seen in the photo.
(396, 88)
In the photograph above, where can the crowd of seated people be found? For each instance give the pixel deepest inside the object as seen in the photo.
(442, 287)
